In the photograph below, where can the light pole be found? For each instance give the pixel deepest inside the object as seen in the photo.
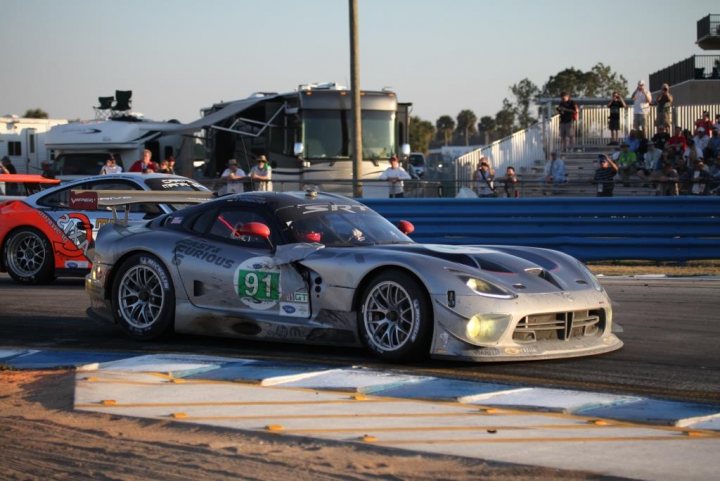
(355, 92)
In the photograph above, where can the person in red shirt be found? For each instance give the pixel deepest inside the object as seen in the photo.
(678, 142)
(145, 165)
(704, 122)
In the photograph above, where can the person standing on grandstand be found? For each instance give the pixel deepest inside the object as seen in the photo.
(641, 106)
(568, 111)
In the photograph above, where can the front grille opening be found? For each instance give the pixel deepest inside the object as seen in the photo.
(560, 326)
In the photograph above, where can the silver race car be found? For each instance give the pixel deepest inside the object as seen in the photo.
(325, 269)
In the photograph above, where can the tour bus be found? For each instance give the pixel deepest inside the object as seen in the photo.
(307, 134)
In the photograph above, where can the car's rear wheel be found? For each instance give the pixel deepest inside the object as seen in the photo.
(28, 257)
(395, 318)
(143, 297)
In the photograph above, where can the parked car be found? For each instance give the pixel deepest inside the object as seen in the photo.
(43, 236)
(320, 268)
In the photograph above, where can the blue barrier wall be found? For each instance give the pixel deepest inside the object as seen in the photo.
(652, 228)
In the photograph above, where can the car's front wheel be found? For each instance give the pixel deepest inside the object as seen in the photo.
(28, 257)
(143, 297)
(395, 319)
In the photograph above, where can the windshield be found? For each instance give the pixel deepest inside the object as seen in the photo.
(339, 225)
(328, 134)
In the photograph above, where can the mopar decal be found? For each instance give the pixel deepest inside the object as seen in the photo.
(202, 251)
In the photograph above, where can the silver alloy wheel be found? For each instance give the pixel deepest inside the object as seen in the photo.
(26, 254)
(140, 297)
(389, 316)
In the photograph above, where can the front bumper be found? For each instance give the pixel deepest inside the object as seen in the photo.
(452, 338)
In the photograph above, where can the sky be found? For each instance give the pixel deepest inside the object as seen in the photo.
(178, 56)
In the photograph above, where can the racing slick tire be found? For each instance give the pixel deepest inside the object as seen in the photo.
(143, 298)
(395, 320)
(28, 257)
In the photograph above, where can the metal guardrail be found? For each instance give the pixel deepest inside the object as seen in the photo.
(656, 228)
(696, 67)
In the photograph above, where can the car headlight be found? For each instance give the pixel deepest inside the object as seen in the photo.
(487, 328)
(484, 288)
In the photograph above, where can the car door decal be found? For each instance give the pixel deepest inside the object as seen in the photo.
(258, 283)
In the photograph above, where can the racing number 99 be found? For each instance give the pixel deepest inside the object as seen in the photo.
(263, 286)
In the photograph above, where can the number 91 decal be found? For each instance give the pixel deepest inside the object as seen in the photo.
(257, 283)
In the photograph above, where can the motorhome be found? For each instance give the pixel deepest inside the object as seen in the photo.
(307, 134)
(81, 148)
(23, 141)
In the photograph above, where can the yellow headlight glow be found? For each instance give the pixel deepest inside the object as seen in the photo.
(487, 328)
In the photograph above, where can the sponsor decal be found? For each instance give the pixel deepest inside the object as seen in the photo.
(292, 309)
(349, 209)
(99, 222)
(300, 296)
(83, 200)
(77, 265)
(177, 184)
(159, 270)
(69, 223)
(202, 251)
(176, 220)
(257, 283)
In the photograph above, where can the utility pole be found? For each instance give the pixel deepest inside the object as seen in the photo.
(356, 106)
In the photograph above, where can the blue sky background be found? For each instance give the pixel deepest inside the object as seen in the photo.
(181, 55)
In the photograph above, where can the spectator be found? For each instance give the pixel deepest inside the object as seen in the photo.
(701, 140)
(664, 102)
(234, 178)
(650, 162)
(633, 140)
(6, 166)
(554, 171)
(605, 176)
(170, 164)
(395, 175)
(47, 170)
(145, 165)
(261, 174)
(713, 146)
(627, 163)
(678, 142)
(110, 166)
(484, 179)
(692, 148)
(568, 111)
(164, 167)
(697, 179)
(616, 104)
(716, 124)
(661, 137)
(667, 181)
(641, 105)
(510, 183)
(704, 122)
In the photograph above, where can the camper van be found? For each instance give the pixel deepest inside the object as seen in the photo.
(23, 141)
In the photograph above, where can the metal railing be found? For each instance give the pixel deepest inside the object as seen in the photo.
(708, 26)
(697, 67)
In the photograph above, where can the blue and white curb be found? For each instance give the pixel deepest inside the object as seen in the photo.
(625, 408)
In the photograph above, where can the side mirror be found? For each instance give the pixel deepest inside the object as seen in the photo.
(255, 229)
(405, 149)
(298, 149)
(406, 227)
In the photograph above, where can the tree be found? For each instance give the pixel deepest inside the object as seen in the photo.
(486, 127)
(445, 126)
(599, 81)
(524, 91)
(420, 132)
(35, 114)
(466, 120)
(505, 119)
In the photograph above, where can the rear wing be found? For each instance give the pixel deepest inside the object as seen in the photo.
(92, 199)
